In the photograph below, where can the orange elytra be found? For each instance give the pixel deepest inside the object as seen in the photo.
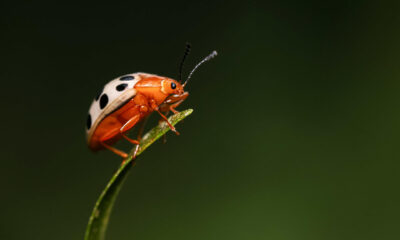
(128, 100)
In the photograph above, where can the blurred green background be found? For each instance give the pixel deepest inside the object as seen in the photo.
(295, 133)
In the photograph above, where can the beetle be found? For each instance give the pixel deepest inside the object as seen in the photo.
(128, 100)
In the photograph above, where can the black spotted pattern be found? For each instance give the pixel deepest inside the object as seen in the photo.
(88, 122)
(121, 87)
(103, 101)
(127, 78)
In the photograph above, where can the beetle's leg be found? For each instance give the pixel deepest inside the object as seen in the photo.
(107, 136)
(172, 109)
(172, 102)
(128, 125)
(155, 107)
(114, 150)
(139, 137)
(169, 124)
(173, 106)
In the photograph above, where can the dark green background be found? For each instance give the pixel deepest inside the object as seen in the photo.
(295, 133)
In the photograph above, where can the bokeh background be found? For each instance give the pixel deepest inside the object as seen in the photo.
(294, 135)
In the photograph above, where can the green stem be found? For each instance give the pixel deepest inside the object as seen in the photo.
(98, 221)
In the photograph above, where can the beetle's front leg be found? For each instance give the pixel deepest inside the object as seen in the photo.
(156, 108)
(173, 106)
(172, 102)
(169, 124)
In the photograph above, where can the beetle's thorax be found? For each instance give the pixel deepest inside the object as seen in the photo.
(151, 87)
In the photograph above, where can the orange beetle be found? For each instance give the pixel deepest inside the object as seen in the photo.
(127, 100)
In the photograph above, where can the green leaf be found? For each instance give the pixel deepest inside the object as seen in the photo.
(100, 217)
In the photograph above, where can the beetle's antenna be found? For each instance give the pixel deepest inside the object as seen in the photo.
(209, 57)
(187, 51)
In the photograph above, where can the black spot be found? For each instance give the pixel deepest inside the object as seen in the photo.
(89, 121)
(173, 85)
(103, 101)
(121, 87)
(127, 78)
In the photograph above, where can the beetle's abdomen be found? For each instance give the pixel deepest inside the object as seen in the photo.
(113, 95)
(110, 126)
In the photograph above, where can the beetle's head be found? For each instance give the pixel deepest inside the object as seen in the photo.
(176, 94)
(171, 87)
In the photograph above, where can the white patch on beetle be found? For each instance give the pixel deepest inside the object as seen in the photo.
(162, 86)
(115, 99)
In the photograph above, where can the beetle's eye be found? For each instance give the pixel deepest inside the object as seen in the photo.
(173, 85)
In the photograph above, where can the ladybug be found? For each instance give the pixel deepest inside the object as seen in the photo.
(129, 99)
